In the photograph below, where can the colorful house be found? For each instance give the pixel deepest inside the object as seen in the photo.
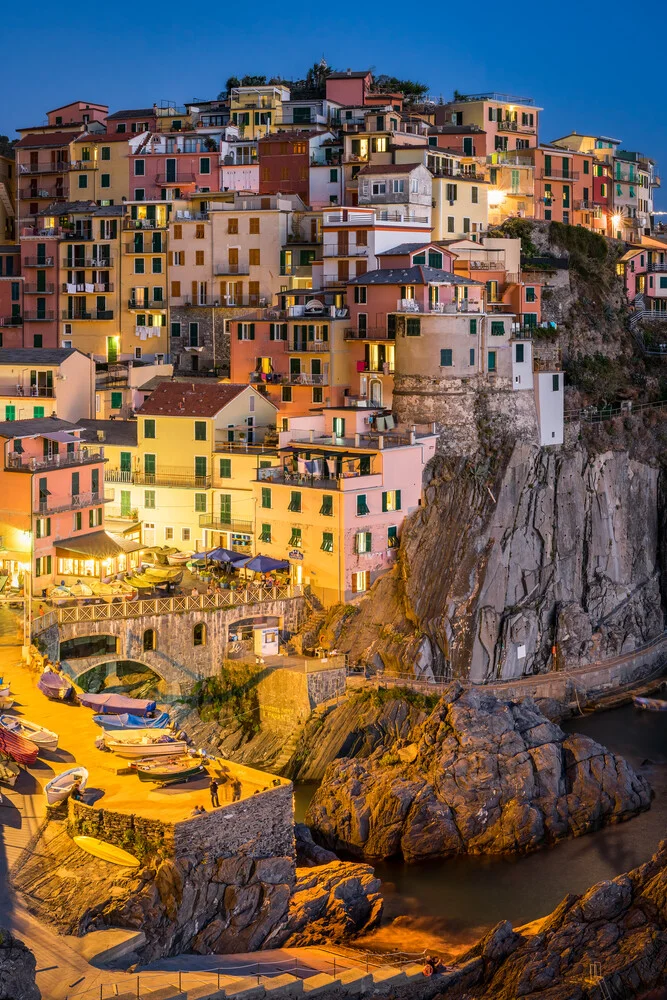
(507, 122)
(44, 382)
(11, 296)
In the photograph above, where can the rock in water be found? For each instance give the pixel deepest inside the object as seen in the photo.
(487, 777)
(17, 969)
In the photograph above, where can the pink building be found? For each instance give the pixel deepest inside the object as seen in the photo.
(633, 267)
(349, 88)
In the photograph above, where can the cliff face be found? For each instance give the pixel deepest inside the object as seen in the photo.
(480, 776)
(506, 560)
(17, 969)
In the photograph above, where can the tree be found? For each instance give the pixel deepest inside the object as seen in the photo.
(316, 77)
(412, 90)
(253, 81)
(233, 81)
(7, 146)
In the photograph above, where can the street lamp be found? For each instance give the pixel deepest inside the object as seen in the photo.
(27, 593)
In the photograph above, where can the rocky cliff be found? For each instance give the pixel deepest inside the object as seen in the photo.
(17, 969)
(619, 925)
(479, 776)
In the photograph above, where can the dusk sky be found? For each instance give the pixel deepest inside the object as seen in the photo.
(584, 66)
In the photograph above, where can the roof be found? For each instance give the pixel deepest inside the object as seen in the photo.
(405, 248)
(132, 113)
(190, 399)
(418, 274)
(356, 74)
(96, 544)
(123, 432)
(36, 355)
(46, 139)
(35, 427)
(68, 207)
(294, 134)
(194, 378)
(390, 168)
(106, 136)
(87, 105)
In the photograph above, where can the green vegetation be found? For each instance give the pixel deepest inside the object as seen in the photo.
(517, 229)
(588, 251)
(603, 379)
(412, 90)
(230, 695)
(382, 696)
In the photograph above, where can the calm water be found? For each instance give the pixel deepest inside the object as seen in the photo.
(452, 900)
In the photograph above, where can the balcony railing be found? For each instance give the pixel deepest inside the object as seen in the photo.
(177, 477)
(84, 165)
(53, 505)
(223, 269)
(37, 261)
(344, 250)
(91, 288)
(39, 317)
(147, 304)
(443, 308)
(34, 193)
(79, 262)
(308, 346)
(183, 178)
(78, 237)
(18, 462)
(46, 289)
(123, 513)
(131, 247)
(657, 267)
(33, 391)
(56, 167)
(515, 127)
(139, 224)
(563, 175)
(209, 302)
(94, 314)
(290, 378)
(7, 321)
(224, 524)
(370, 333)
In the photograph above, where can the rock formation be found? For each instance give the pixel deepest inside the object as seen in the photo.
(17, 969)
(331, 903)
(479, 776)
(620, 924)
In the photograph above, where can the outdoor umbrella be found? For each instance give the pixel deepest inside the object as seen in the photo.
(265, 564)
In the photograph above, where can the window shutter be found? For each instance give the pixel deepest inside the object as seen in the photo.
(398, 500)
(283, 331)
(194, 291)
(384, 503)
(239, 331)
(251, 331)
(369, 542)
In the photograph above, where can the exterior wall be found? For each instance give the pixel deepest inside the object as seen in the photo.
(549, 399)
(288, 696)
(284, 166)
(464, 208)
(349, 91)
(8, 231)
(70, 398)
(325, 185)
(511, 190)
(150, 246)
(105, 168)
(511, 127)
(11, 296)
(40, 253)
(240, 177)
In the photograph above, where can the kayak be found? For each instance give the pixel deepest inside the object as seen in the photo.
(17, 747)
(44, 738)
(117, 704)
(126, 721)
(58, 788)
(106, 852)
(55, 686)
(176, 768)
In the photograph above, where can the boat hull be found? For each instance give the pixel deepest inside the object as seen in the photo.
(127, 722)
(43, 738)
(9, 772)
(55, 687)
(18, 748)
(136, 751)
(60, 787)
(166, 770)
(106, 852)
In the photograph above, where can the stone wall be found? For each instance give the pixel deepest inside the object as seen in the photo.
(137, 834)
(176, 659)
(287, 697)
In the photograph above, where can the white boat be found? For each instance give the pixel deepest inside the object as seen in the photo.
(137, 743)
(5, 702)
(58, 788)
(44, 738)
(81, 590)
(4, 691)
(178, 558)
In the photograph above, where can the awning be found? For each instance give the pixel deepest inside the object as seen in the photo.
(127, 544)
(63, 436)
(96, 545)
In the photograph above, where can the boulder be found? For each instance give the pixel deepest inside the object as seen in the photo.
(481, 776)
(17, 969)
(333, 902)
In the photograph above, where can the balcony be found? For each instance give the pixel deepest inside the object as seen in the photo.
(289, 378)
(515, 127)
(146, 247)
(142, 224)
(657, 267)
(147, 304)
(77, 501)
(92, 288)
(230, 524)
(94, 314)
(34, 193)
(78, 237)
(55, 167)
(37, 261)
(82, 262)
(443, 308)
(32, 391)
(18, 462)
(561, 175)
(370, 333)
(184, 178)
(308, 346)
(297, 270)
(84, 165)
(9, 321)
(221, 270)
(210, 302)
(122, 513)
(169, 476)
(344, 250)
(37, 290)
(39, 317)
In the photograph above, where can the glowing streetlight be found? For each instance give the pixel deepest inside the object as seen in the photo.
(496, 198)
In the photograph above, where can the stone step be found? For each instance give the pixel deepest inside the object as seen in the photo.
(164, 993)
(387, 975)
(354, 981)
(314, 986)
(413, 971)
(245, 988)
(206, 993)
(283, 986)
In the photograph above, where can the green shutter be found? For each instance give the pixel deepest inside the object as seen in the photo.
(384, 503)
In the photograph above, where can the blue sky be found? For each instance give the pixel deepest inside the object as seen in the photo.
(591, 67)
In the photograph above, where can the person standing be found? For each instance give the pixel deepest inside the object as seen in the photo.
(238, 788)
(213, 788)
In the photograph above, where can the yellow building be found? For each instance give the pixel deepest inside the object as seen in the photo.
(144, 330)
(460, 206)
(511, 188)
(100, 168)
(192, 439)
(255, 110)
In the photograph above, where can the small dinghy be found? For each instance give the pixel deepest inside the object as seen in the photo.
(134, 744)
(106, 852)
(4, 691)
(163, 769)
(6, 703)
(178, 558)
(117, 704)
(60, 787)
(650, 704)
(55, 686)
(17, 747)
(81, 590)
(126, 721)
(9, 771)
(44, 738)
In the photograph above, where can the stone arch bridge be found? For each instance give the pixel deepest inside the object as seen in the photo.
(175, 657)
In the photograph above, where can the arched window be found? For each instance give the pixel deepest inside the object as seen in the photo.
(199, 634)
(149, 639)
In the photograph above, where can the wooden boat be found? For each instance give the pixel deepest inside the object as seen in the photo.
(58, 788)
(44, 738)
(127, 721)
(137, 743)
(161, 769)
(164, 574)
(17, 747)
(4, 691)
(9, 771)
(178, 558)
(6, 703)
(650, 704)
(106, 852)
(80, 590)
(55, 686)
(117, 704)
